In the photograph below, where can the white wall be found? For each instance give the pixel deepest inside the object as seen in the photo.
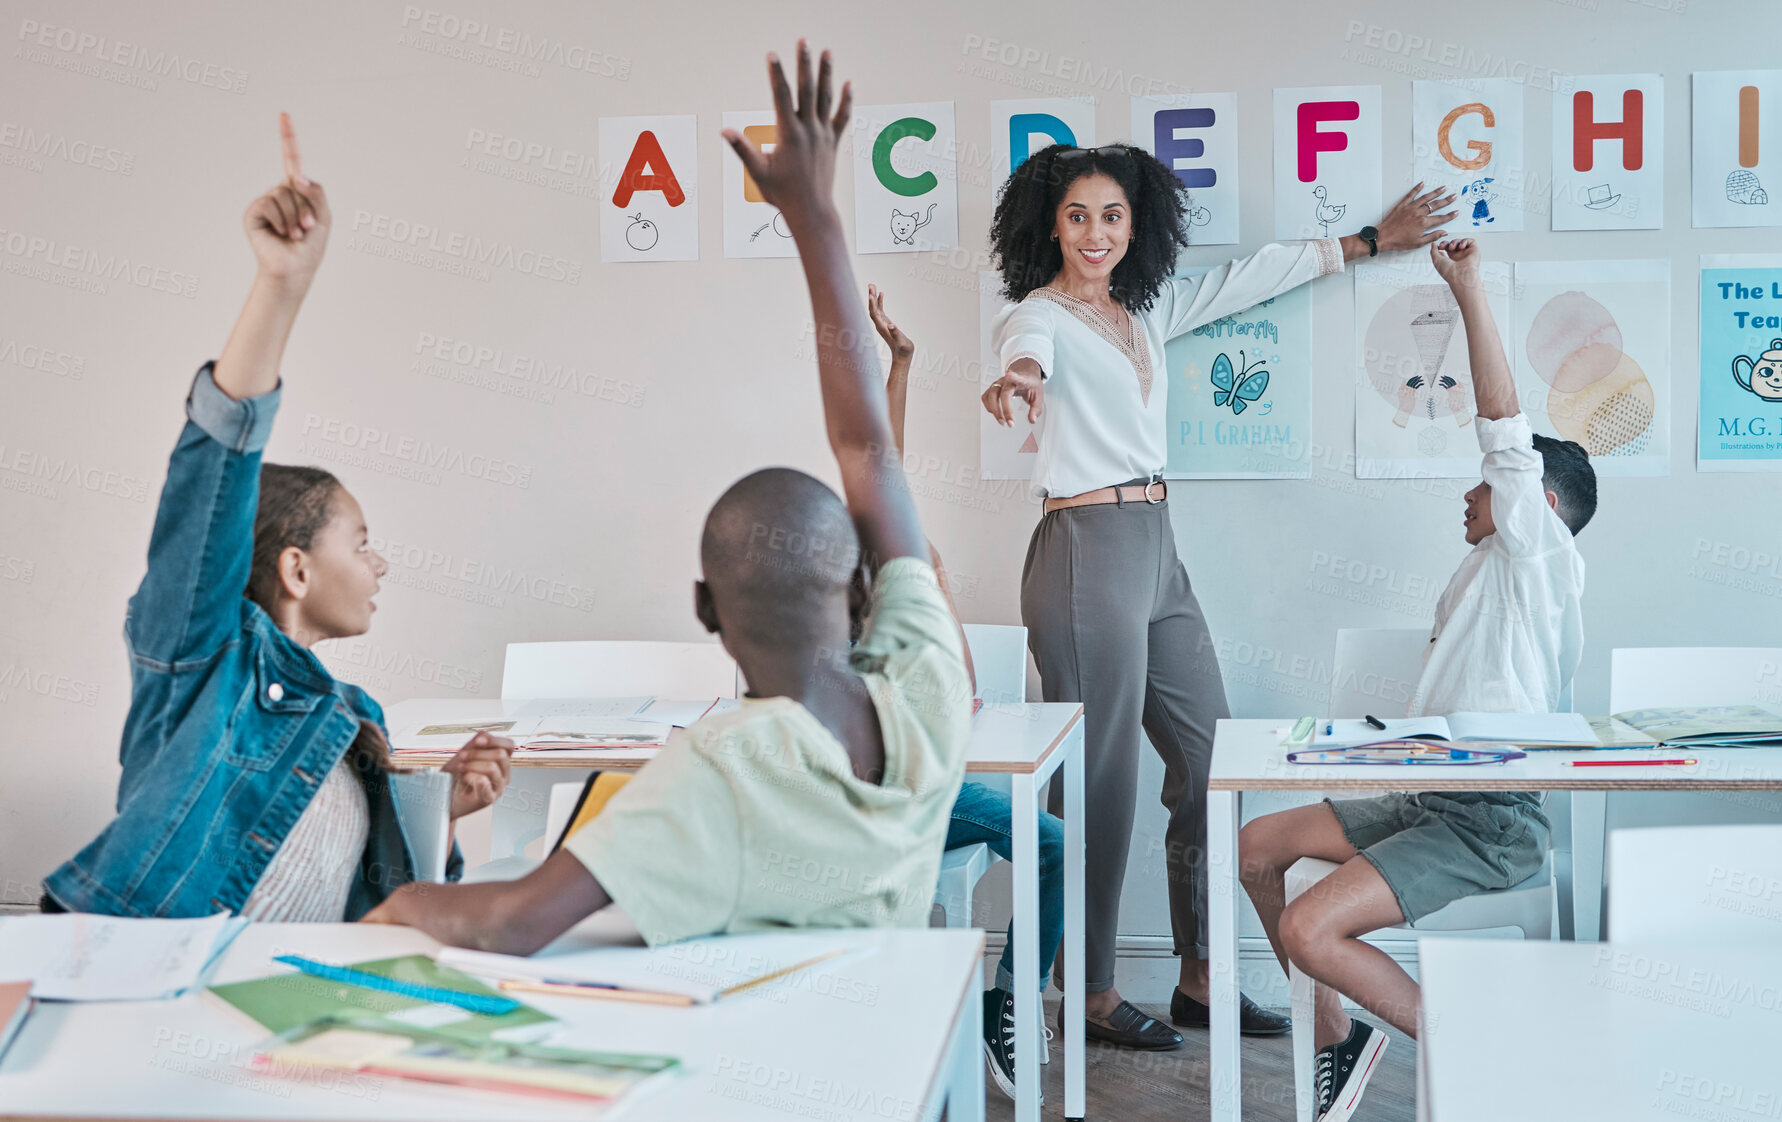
(610, 516)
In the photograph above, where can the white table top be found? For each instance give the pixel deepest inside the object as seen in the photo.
(872, 1031)
(1539, 1030)
(1006, 738)
(1247, 756)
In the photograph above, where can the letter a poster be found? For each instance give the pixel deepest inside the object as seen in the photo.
(1240, 393)
(1741, 368)
(652, 213)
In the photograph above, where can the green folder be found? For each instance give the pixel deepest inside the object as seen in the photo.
(284, 1001)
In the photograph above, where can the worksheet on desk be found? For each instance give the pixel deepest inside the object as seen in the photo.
(80, 957)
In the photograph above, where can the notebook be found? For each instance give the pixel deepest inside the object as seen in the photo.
(15, 1005)
(1492, 728)
(77, 956)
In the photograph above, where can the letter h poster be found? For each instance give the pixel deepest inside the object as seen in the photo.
(1741, 363)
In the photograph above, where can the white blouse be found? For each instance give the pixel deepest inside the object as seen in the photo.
(1105, 406)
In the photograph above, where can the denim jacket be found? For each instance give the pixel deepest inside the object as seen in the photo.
(232, 725)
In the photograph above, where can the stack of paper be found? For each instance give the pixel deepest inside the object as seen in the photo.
(75, 956)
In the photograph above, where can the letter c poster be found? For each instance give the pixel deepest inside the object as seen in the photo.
(906, 178)
(1327, 160)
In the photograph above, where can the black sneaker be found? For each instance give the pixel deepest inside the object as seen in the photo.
(999, 1039)
(1253, 1019)
(1342, 1071)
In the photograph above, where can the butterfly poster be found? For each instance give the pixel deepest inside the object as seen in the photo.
(1240, 394)
(1414, 405)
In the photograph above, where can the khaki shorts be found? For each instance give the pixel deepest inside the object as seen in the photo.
(1432, 849)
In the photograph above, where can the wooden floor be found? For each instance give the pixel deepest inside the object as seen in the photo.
(1172, 1086)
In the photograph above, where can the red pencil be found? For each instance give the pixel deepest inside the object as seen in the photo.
(1622, 763)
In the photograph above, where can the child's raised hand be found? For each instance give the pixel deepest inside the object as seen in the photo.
(798, 176)
(288, 225)
(902, 346)
(1457, 260)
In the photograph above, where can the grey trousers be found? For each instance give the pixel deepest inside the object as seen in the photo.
(1113, 624)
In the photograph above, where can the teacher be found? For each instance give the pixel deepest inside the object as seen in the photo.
(1086, 240)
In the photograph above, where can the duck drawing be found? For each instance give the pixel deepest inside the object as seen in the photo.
(1327, 213)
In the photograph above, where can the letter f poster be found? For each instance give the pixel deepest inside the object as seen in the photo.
(1741, 368)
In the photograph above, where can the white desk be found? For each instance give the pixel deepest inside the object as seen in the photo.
(1247, 756)
(898, 1028)
(1029, 743)
(1609, 1030)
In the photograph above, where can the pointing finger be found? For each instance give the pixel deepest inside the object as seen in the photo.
(287, 137)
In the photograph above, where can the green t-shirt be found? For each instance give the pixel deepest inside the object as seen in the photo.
(753, 819)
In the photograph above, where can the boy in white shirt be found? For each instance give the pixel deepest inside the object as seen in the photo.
(1508, 635)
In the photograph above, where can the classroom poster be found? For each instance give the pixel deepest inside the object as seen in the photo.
(1327, 161)
(1741, 363)
(1240, 393)
(1022, 126)
(753, 227)
(906, 178)
(652, 213)
(1467, 136)
(1195, 135)
(1593, 358)
(1414, 403)
(1608, 153)
(1003, 453)
(1736, 147)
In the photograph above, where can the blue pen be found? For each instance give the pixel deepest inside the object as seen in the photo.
(475, 1002)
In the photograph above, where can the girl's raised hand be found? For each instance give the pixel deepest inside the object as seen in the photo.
(288, 225)
(902, 346)
(798, 176)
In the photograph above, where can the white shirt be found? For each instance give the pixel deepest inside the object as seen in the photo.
(1509, 628)
(1106, 391)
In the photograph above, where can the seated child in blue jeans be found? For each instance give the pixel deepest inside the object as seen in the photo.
(1508, 635)
(982, 814)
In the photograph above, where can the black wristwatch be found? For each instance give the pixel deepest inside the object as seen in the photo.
(1372, 237)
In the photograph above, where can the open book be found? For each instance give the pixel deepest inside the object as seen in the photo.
(1702, 726)
(1494, 728)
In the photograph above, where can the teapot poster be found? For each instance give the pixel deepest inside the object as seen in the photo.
(1240, 393)
(1741, 363)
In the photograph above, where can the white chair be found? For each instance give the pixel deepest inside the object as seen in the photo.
(1375, 670)
(1372, 671)
(593, 668)
(1661, 677)
(1691, 884)
(562, 805)
(1531, 907)
(999, 657)
(617, 668)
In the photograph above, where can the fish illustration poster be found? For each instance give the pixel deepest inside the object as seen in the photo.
(1240, 393)
(1414, 405)
(1593, 358)
(1741, 367)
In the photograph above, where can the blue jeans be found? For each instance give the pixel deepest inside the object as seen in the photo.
(983, 814)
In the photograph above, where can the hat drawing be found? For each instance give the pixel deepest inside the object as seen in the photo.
(1600, 198)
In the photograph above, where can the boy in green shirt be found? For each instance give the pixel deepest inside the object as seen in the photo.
(823, 801)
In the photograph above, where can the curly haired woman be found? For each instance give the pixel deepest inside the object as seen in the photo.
(1086, 240)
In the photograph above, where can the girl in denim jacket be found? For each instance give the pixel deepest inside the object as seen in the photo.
(253, 781)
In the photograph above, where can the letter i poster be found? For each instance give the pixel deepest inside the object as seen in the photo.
(1240, 393)
(1741, 368)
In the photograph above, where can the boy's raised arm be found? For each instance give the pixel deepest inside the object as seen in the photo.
(1494, 390)
(798, 177)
